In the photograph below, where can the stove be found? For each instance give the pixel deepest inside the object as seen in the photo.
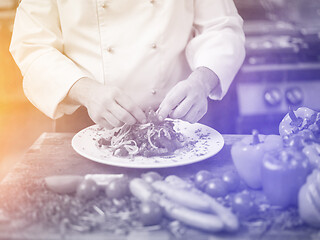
(281, 69)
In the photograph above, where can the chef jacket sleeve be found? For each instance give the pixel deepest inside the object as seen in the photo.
(218, 41)
(37, 48)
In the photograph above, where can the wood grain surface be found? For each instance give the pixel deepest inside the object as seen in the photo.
(52, 154)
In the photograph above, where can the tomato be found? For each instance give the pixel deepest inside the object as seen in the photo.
(232, 179)
(150, 213)
(201, 178)
(88, 189)
(118, 188)
(242, 204)
(151, 177)
(216, 188)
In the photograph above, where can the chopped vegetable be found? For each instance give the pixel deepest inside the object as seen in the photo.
(153, 138)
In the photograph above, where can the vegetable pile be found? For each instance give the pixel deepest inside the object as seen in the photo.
(154, 138)
(274, 185)
(280, 164)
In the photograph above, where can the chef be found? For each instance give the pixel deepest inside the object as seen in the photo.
(118, 58)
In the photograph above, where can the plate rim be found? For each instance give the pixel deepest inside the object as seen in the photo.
(144, 166)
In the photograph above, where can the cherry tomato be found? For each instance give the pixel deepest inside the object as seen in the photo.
(151, 177)
(242, 204)
(216, 188)
(88, 189)
(201, 178)
(232, 179)
(150, 213)
(118, 188)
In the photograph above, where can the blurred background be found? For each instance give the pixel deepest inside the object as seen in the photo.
(282, 68)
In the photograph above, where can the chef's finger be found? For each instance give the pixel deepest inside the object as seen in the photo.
(111, 119)
(126, 103)
(103, 123)
(171, 101)
(194, 115)
(121, 114)
(182, 109)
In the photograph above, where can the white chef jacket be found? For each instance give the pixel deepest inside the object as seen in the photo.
(142, 46)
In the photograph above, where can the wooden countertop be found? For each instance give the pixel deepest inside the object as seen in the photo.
(52, 154)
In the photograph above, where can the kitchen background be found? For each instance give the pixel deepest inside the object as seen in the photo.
(282, 68)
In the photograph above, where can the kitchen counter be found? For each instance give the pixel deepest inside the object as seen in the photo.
(52, 154)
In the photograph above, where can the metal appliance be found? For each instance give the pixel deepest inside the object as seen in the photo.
(282, 66)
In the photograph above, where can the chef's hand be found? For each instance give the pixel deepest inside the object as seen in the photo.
(187, 100)
(107, 106)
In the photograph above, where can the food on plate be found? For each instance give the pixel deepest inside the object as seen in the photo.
(154, 138)
(186, 204)
(283, 173)
(63, 184)
(247, 156)
(243, 204)
(309, 200)
(150, 213)
(297, 120)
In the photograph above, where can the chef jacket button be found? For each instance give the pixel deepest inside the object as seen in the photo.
(110, 49)
(153, 91)
(154, 46)
(103, 5)
(152, 1)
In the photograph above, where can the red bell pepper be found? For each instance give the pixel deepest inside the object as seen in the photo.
(283, 173)
(247, 156)
(295, 121)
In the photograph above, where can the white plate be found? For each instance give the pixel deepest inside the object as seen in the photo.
(206, 143)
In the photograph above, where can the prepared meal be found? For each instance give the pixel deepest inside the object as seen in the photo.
(154, 138)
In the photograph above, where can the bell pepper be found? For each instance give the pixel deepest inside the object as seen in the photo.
(313, 153)
(314, 125)
(309, 200)
(295, 121)
(283, 173)
(247, 156)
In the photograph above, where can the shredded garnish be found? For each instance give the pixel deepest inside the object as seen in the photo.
(153, 138)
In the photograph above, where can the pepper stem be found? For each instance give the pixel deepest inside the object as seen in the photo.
(292, 115)
(255, 137)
